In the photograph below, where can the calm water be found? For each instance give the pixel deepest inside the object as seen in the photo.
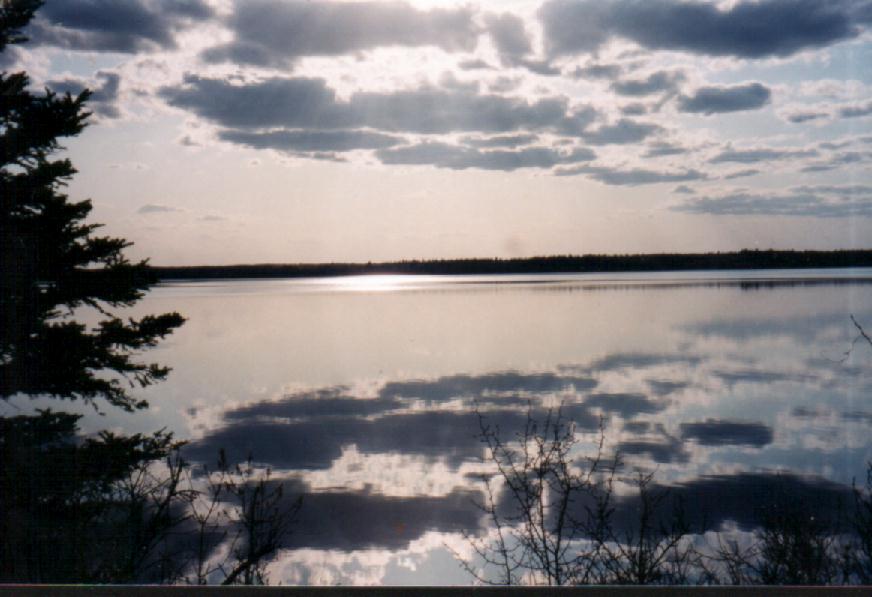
(361, 392)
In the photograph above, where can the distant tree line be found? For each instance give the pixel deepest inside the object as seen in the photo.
(745, 259)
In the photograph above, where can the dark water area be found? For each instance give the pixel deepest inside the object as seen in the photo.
(367, 396)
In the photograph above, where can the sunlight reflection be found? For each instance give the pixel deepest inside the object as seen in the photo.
(373, 283)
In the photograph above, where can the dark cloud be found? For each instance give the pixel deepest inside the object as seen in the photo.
(449, 81)
(664, 388)
(509, 36)
(622, 132)
(838, 160)
(104, 96)
(637, 427)
(328, 402)
(540, 67)
(634, 109)
(659, 149)
(504, 84)
(746, 499)
(444, 155)
(276, 32)
(475, 386)
(757, 376)
(295, 141)
(313, 443)
(597, 71)
(856, 111)
(662, 451)
(631, 177)
(353, 521)
(615, 362)
(727, 433)
(844, 190)
(657, 82)
(752, 156)
(741, 173)
(308, 103)
(858, 415)
(474, 64)
(734, 98)
(790, 204)
(801, 116)
(627, 405)
(112, 26)
(500, 141)
(10, 57)
(684, 190)
(349, 520)
(747, 29)
(307, 444)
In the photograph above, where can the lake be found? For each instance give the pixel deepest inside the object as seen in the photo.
(363, 392)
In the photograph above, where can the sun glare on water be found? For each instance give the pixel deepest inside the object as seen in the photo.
(375, 283)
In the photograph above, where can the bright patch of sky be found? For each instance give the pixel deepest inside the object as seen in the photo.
(232, 131)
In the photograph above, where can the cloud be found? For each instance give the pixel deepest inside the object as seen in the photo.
(716, 100)
(746, 499)
(622, 132)
(856, 110)
(619, 361)
(276, 33)
(664, 387)
(444, 155)
(627, 405)
(302, 141)
(657, 82)
(834, 161)
(476, 386)
(634, 109)
(660, 148)
(632, 176)
(684, 190)
(326, 402)
(714, 432)
(306, 103)
(111, 26)
(474, 64)
(500, 140)
(360, 520)
(509, 36)
(801, 116)
(153, 208)
(752, 156)
(104, 97)
(747, 29)
(666, 451)
(290, 433)
(741, 173)
(597, 71)
(794, 202)
(304, 444)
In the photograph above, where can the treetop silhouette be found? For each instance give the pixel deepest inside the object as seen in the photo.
(52, 262)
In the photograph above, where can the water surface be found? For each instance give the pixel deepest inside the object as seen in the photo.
(361, 392)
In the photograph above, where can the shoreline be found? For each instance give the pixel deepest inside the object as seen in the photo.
(557, 264)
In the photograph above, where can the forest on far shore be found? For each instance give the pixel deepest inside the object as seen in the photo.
(737, 260)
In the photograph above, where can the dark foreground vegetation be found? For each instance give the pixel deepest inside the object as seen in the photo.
(109, 508)
(745, 259)
(555, 517)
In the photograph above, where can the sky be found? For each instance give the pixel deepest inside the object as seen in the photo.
(252, 131)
